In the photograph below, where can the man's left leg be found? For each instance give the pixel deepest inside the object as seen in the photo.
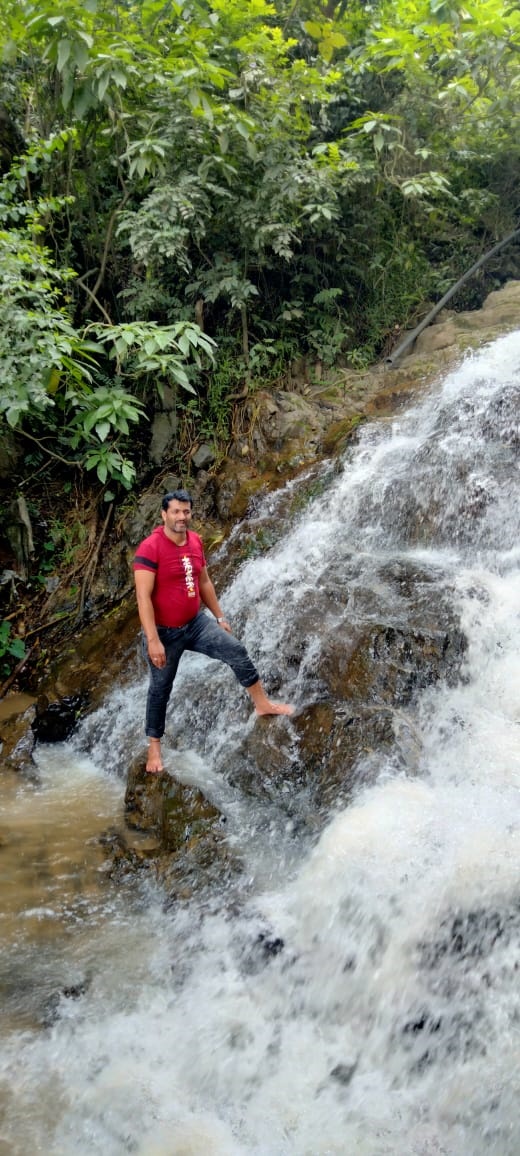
(205, 636)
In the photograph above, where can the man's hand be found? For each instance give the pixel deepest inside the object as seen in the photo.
(157, 652)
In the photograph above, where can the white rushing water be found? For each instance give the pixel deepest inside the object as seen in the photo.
(389, 1020)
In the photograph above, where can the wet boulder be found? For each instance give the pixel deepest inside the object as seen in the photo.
(177, 814)
(344, 750)
(266, 763)
(54, 722)
(189, 849)
(17, 739)
(360, 683)
(387, 664)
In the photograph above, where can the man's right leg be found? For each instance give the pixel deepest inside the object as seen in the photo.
(159, 690)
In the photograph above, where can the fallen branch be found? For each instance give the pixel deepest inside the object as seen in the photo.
(411, 338)
(14, 674)
(51, 622)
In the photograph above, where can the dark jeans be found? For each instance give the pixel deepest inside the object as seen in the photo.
(204, 636)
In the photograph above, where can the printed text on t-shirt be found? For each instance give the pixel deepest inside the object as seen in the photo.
(188, 572)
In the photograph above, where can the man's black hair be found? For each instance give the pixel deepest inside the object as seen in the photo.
(176, 496)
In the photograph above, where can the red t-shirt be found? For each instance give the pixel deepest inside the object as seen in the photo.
(175, 597)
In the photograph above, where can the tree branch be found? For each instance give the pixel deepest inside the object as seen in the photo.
(50, 453)
(97, 302)
(106, 247)
(14, 674)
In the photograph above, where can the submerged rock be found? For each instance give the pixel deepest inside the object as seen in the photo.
(55, 1003)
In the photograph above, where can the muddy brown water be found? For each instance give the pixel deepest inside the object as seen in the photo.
(15, 704)
(53, 877)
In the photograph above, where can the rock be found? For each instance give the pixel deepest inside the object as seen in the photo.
(143, 517)
(232, 479)
(463, 331)
(159, 803)
(140, 520)
(191, 850)
(204, 864)
(18, 741)
(436, 337)
(168, 399)
(295, 418)
(508, 295)
(359, 690)
(164, 434)
(340, 432)
(52, 1008)
(288, 419)
(266, 765)
(130, 850)
(14, 705)
(203, 457)
(113, 578)
(18, 529)
(98, 658)
(342, 750)
(385, 664)
(55, 722)
(10, 454)
(343, 1073)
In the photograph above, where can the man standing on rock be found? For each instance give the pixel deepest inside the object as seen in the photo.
(171, 581)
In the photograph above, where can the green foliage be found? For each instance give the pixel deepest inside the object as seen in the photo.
(48, 368)
(37, 340)
(205, 190)
(207, 417)
(60, 546)
(147, 348)
(10, 648)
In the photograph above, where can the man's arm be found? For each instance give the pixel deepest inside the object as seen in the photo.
(144, 584)
(209, 597)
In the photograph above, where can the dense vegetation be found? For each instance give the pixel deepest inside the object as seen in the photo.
(197, 192)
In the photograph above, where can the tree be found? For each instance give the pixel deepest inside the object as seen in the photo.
(220, 183)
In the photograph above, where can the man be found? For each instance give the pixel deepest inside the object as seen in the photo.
(171, 581)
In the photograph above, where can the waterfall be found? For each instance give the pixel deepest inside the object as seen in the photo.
(363, 997)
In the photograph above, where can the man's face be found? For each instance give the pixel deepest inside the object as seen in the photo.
(177, 517)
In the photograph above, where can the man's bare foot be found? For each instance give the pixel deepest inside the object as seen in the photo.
(154, 764)
(276, 708)
(263, 704)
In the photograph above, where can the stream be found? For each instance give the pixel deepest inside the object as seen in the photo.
(363, 996)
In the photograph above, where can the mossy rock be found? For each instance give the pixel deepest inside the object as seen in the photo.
(247, 492)
(339, 433)
(185, 839)
(179, 815)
